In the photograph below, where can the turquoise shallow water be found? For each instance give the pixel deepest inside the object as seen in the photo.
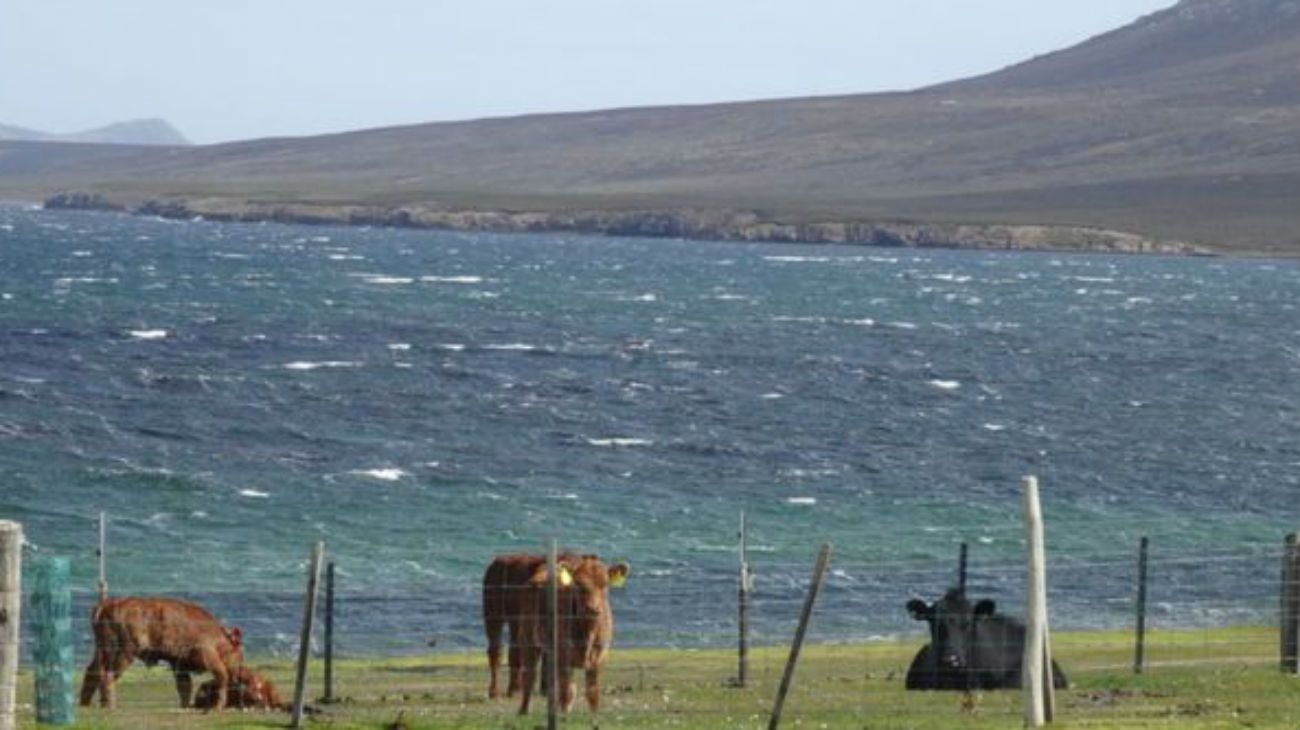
(422, 400)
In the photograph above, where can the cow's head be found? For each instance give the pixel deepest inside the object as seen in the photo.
(234, 642)
(584, 584)
(952, 622)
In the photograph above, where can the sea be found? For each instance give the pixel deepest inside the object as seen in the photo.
(231, 394)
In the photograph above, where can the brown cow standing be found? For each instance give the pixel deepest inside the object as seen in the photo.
(183, 634)
(506, 601)
(586, 626)
(248, 690)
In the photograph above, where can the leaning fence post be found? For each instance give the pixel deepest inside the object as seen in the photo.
(1036, 663)
(304, 645)
(553, 636)
(50, 603)
(742, 671)
(329, 633)
(819, 572)
(1140, 640)
(1290, 605)
(11, 591)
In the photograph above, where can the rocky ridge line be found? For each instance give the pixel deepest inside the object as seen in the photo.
(701, 224)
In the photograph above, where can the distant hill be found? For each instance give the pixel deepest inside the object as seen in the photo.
(1184, 125)
(134, 132)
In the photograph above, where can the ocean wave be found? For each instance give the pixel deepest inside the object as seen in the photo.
(254, 494)
(310, 365)
(386, 474)
(945, 384)
(156, 334)
(452, 279)
(616, 441)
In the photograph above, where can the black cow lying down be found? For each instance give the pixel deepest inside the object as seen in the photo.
(971, 647)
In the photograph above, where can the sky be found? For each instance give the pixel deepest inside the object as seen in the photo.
(222, 70)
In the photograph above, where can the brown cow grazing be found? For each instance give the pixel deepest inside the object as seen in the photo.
(586, 627)
(183, 634)
(248, 691)
(506, 597)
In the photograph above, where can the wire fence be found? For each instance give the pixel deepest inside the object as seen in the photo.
(1212, 647)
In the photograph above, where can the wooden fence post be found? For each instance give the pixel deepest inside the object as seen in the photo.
(1290, 605)
(819, 572)
(11, 593)
(553, 641)
(1036, 667)
(742, 671)
(1140, 640)
(329, 634)
(304, 645)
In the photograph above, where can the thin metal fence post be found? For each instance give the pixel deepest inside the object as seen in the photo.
(102, 554)
(1139, 651)
(819, 572)
(553, 642)
(742, 671)
(304, 645)
(961, 568)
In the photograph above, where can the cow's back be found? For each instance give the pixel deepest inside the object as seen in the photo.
(159, 629)
(999, 655)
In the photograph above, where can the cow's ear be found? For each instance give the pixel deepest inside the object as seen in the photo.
(236, 636)
(985, 608)
(918, 609)
(618, 573)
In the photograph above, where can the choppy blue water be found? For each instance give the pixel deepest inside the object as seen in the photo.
(422, 400)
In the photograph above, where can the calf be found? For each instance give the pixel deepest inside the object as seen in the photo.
(971, 647)
(247, 690)
(183, 634)
(506, 596)
(586, 627)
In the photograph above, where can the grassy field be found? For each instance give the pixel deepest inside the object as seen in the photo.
(1224, 678)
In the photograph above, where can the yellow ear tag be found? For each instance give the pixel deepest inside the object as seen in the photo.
(566, 578)
(618, 580)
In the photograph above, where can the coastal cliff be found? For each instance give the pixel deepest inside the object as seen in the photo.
(694, 224)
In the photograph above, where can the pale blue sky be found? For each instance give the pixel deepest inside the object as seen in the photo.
(235, 69)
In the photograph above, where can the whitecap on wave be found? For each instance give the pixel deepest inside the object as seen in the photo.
(148, 334)
(806, 501)
(945, 384)
(620, 442)
(389, 474)
(307, 365)
(254, 494)
(452, 279)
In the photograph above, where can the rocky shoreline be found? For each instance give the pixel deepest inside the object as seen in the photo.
(694, 224)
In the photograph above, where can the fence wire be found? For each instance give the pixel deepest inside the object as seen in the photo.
(418, 654)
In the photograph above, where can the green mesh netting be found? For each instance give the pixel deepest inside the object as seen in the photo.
(51, 623)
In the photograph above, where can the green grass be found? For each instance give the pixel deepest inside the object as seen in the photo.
(1224, 678)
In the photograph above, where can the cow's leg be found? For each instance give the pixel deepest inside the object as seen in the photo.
(184, 687)
(493, 627)
(592, 675)
(220, 675)
(529, 655)
(568, 690)
(94, 679)
(110, 672)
